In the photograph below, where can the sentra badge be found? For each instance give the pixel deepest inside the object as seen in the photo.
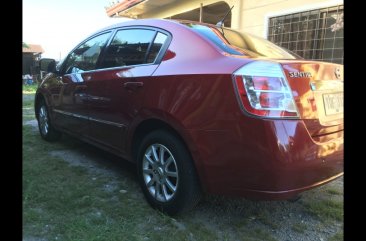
(300, 74)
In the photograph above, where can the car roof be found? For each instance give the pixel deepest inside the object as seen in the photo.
(167, 24)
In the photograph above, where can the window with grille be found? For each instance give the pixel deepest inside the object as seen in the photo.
(315, 34)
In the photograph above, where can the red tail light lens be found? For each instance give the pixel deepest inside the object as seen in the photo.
(264, 91)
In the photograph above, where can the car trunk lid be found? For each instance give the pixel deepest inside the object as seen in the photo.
(317, 88)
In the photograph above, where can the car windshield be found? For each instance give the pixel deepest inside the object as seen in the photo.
(238, 43)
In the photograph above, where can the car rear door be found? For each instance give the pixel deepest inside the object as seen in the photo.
(116, 91)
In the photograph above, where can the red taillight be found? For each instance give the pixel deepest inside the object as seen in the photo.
(264, 91)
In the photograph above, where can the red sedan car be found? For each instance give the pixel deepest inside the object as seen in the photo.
(199, 109)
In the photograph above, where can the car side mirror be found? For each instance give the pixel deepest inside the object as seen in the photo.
(47, 65)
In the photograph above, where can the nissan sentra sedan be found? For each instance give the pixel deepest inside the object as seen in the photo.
(199, 109)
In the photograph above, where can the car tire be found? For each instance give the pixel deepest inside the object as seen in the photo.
(167, 174)
(47, 131)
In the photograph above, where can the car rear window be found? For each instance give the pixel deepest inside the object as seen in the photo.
(238, 43)
(156, 47)
(128, 47)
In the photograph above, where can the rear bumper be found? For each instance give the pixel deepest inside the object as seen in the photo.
(279, 195)
(266, 159)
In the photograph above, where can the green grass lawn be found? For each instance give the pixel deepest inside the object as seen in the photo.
(28, 102)
(29, 89)
(73, 191)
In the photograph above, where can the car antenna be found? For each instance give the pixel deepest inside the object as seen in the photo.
(220, 24)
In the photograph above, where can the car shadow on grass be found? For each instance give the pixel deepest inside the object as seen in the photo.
(96, 159)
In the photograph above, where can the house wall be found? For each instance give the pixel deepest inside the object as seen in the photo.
(316, 33)
(252, 15)
(248, 15)
(27, 63)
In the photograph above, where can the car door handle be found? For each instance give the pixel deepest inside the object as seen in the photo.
(81, 96)
(133, 85)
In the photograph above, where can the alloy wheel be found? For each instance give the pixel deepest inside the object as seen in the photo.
(43, 120)
(160, 172)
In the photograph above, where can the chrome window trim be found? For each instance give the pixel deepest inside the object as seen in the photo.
(107, 122)
(115, 68)
(89, 118)
(71, 114)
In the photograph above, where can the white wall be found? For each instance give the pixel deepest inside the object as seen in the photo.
(252, 15)
(248, 15)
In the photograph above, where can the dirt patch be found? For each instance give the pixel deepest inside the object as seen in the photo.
(284, 220)
(28, 97)
(32, 123)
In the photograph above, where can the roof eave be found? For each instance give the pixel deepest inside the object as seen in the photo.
(120, 8)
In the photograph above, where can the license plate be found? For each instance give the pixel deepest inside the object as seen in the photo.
(333, 103)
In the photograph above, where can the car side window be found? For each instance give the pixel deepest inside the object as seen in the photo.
(128, 47)
(156, 47)
(85, 57)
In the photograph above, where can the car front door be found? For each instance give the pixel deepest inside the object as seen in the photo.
(72, 112)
